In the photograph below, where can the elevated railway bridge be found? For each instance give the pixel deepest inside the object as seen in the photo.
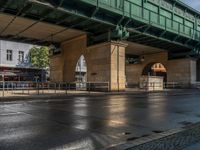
(121, 40)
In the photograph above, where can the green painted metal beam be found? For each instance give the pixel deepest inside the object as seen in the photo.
(145, 19)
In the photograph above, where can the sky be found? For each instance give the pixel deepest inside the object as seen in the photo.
(193, 3)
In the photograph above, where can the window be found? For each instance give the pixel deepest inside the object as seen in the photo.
(21, 56)
(9, 55)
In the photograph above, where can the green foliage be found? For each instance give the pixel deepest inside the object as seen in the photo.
(39, 57)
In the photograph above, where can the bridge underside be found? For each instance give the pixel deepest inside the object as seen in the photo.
(44, 22)
(106, 63)
(78, 28)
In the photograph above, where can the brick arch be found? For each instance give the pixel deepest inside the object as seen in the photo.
(85, 62)
(146, 70)
(134, 71)
(72, 50)
(148, 67)
(101, 62)
(154, 58)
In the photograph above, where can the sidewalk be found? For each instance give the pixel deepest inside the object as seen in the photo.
(193, 147)
(59, 94)
(181, 138)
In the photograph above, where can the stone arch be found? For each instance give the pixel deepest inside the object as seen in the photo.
(155, 69)
(81, 69)
(72, 50)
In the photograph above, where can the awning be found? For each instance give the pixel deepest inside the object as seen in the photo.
(7, 74)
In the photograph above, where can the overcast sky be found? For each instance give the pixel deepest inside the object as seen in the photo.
(193, 3)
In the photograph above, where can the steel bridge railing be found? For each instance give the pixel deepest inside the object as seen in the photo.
(137, 12)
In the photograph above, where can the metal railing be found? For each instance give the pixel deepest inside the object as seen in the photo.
(152, 86)
(165, 85)
(137, 12)
(10, 88)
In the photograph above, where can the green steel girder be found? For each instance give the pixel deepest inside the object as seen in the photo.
(87, 14)
(176, 37)
(162, 39)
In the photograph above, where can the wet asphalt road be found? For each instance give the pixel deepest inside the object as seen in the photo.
(92, 122)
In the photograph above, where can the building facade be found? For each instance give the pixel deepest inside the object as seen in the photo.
(15, 62)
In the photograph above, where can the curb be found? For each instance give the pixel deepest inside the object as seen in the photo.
(170, 140)
(62, 96)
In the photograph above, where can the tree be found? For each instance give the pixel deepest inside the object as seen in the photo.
(39, 57)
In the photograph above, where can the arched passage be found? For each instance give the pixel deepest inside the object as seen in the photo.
(81, 70)
(155, 69)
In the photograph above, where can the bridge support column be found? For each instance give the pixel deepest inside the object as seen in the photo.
(107, 64)
(182, 71)
(63, 65)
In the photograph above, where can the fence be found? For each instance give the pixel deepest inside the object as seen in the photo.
(10, 88)
(153, 86)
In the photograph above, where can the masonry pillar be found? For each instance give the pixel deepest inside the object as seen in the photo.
(107, 64)
(62, 66)
(182, 71)
(71, 51)
(56, 68)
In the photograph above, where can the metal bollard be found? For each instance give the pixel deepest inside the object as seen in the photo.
(28, 88)
(59, 87)
(3, 88)
(66, 89)
(55, 88)
(48, 87)
(12, 88)
(38, 92)
(42, 86)
(23, 87)
(89, 87)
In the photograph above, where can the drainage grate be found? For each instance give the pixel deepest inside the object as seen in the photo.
(145, 135)
(127, 133)
(185, 123)
(157, 131)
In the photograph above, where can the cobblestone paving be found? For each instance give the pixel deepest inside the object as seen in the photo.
(178, 140)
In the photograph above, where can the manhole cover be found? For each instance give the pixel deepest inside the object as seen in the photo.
(157, 131)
